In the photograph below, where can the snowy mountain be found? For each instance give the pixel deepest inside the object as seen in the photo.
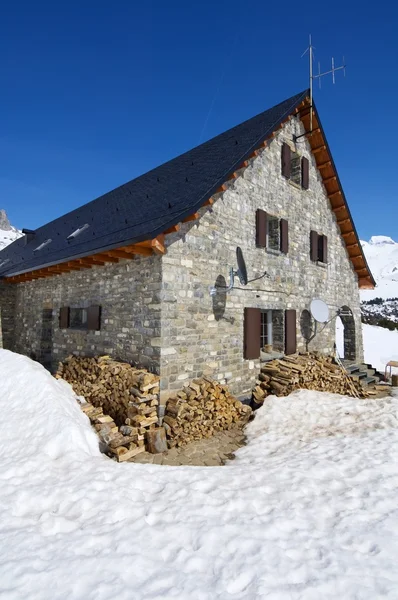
(8, 233)
(380, 306)
(382, 255)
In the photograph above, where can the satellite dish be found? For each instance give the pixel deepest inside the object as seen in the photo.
(242, 271)
(319, 310)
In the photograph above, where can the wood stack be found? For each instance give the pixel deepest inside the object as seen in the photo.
(310, 371)
(121, 442)
(200, 410)
(129, 395)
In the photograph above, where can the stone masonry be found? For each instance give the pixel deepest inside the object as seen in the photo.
(195, 338)
(157, 311)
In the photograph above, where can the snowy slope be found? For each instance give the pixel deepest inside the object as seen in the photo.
(380, 346)
(8, 233)
(307, 509)
(382, 255)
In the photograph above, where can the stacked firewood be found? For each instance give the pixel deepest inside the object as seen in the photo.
(120, 442)
(308, 371)
(200, 410)
(129, 395)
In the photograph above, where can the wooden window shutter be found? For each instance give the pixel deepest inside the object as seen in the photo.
(325, 248)
(261, 228)
(64, 317)
(284, 237)
(290, 332)
(94, 318)
(314, 246)
(305, 173)
(252, 333)
(286, 160)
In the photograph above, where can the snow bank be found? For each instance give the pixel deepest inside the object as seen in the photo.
(380, 346)
(40, 415)
(307, 509)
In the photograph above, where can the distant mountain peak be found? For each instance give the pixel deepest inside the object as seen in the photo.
(4, 222)
(8, 233)
(377, 240)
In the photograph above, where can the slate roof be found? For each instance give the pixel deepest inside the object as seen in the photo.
(148, 205)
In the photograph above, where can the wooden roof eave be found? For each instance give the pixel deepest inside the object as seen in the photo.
(336, 195)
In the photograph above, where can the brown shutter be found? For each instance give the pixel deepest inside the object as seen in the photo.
(261, 228)
(305, 173)
(325, 248)
(93, 317)
(284, 247)
(290, 332)
(314, 246)
(286, 160)
(252, 333)
(64, 317)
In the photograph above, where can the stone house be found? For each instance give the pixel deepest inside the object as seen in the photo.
(130, 273)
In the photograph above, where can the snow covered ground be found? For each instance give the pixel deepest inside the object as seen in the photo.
(380, 346)
(308, 510)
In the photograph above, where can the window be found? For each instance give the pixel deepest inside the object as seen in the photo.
(266, 328)
(295, 167)
(80, 318)
(271, 232)
(318, 247)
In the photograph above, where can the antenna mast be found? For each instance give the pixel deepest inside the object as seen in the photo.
(310, 51)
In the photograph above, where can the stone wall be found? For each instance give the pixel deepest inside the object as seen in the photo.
(201, 334)
(129, 296)
(7, 313)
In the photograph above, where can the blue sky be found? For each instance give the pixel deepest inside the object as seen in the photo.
(96, 93)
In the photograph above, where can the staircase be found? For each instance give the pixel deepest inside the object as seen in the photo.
(368, 377)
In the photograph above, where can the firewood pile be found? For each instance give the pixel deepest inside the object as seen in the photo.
(307, 371)
(201, 409)
(120, 442)
(129, 395)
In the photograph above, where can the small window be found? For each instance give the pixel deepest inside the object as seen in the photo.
(78, 318)
(318, 247)
(43, 245)
(295, 174)
(265, 330)
(273, 233)
(295, 167)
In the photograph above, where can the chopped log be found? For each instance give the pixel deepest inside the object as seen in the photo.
(156, 440)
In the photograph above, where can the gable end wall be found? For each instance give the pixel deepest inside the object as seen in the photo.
(196, 339)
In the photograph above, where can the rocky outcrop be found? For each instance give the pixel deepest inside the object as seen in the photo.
(5, 224)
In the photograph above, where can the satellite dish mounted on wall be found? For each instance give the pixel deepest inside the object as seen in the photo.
(319, 310)
(240, 272)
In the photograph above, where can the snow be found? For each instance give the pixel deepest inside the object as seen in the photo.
(306, 510)
(8, 236)
(381, 252)
(380, 346)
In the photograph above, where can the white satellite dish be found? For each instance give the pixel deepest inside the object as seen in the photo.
(319, 310)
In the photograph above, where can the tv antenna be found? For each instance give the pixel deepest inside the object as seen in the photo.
(319, 76)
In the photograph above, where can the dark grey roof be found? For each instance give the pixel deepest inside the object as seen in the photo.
(144, 207)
